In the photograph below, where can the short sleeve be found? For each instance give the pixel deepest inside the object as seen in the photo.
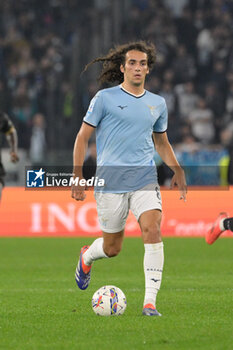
(5, 123)
(95, 111)
(161, 123)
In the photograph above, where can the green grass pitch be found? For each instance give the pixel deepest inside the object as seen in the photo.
(42, 308)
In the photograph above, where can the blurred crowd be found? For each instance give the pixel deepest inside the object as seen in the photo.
(194, 70)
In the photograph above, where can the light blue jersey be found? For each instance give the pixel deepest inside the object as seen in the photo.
(124, 125)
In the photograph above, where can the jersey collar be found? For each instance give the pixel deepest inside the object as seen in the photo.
(130, 93)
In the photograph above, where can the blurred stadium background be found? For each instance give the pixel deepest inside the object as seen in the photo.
(45, 45)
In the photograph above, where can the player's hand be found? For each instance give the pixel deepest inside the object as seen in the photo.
(14, 157)
(78, 192)
(179, 180)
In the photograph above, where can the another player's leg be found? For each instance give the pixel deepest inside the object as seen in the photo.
(222, 223)
(149, 222)
(228, 224)
(106, 247)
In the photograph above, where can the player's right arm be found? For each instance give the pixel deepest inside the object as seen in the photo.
(79, 152)
(7, 127)
(12, 139)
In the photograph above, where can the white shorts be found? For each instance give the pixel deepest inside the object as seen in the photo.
(113, 208)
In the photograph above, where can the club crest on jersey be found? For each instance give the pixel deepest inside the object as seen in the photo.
(152, 110)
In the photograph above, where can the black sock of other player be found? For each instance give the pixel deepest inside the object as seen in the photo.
(228, 224)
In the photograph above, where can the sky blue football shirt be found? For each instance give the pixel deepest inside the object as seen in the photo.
(124, 125)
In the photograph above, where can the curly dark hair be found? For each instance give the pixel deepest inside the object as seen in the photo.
(116, 57)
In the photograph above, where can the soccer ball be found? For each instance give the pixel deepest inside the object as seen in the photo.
(109, 301)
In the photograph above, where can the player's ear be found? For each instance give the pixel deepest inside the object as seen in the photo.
(122, 68)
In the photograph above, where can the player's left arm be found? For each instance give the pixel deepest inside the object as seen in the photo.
(165, 150)
(12, 139)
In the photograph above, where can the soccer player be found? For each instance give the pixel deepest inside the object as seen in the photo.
(129, 121)
(221, 224)
(7, 127)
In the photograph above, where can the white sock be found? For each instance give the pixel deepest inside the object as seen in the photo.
(153, 268)
(94, 252)
(221, 226)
